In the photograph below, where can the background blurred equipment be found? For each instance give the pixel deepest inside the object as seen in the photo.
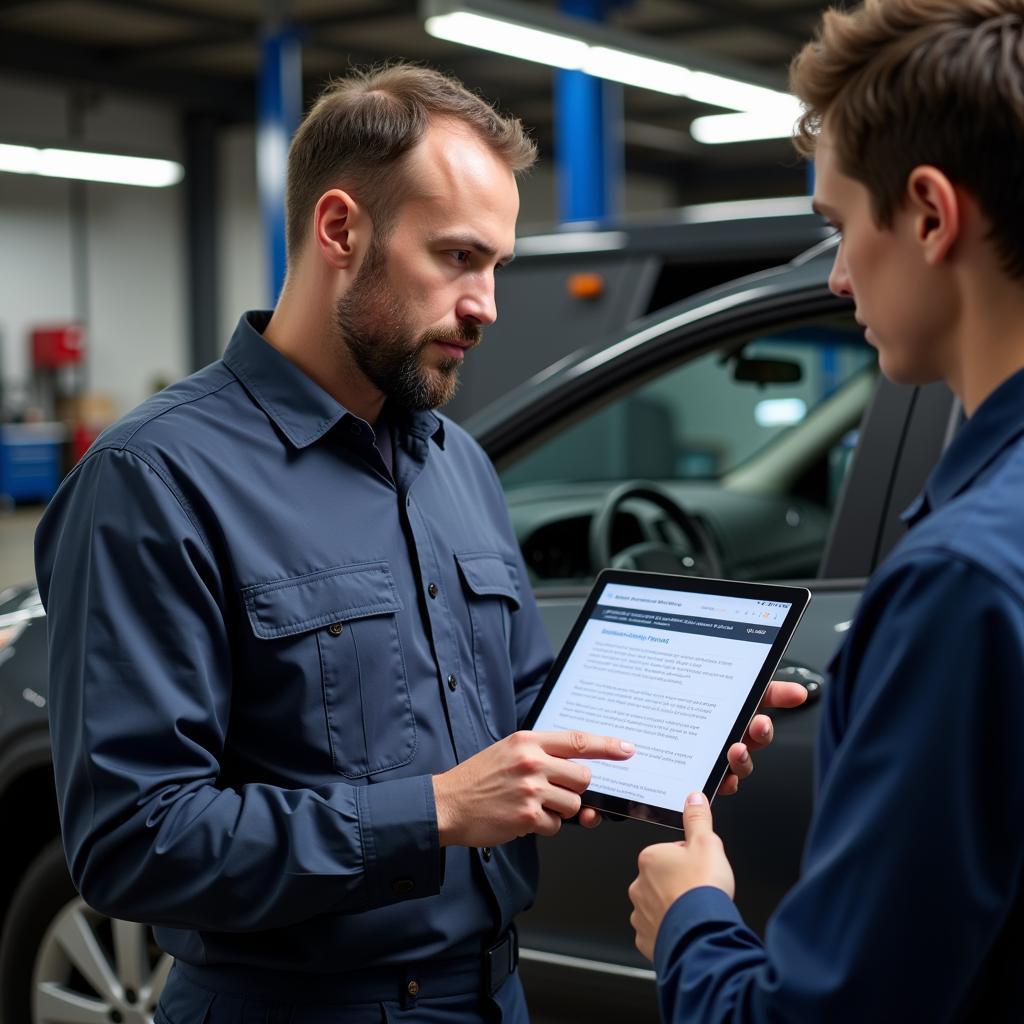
(31, 460)
(58, 355)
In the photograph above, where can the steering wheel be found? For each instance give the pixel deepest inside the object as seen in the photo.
(652, 556)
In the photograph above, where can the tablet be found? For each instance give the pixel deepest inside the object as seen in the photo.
(678, 666)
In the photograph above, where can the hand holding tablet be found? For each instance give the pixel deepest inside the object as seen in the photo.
(676, 664)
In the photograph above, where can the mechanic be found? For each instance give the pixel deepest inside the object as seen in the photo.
(910, 906)
(291, 634)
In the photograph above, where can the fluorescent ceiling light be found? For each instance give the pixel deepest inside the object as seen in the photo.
(509, 38)
(511, 33)
(632, 69)
(83, 166)
(717, 129)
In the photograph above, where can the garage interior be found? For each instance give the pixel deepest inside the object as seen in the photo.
(111, 291)
(139, 286)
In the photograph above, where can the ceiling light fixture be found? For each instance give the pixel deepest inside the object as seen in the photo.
(718, 129)
(549, 37)
(85, 166)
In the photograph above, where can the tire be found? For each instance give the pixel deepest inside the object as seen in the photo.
(62, 961)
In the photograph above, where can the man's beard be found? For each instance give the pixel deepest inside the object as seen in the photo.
(372, 322)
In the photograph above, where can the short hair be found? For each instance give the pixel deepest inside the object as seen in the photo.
(357, 133)
(903, 83)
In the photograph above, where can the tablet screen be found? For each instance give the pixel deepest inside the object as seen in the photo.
(673, 671)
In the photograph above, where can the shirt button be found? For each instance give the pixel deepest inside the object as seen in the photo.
(403, 886)
(432, 590)
(413, 988)
(335, 628)
(453, 683)
(487, 853)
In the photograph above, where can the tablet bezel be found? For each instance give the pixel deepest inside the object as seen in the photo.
(797, 597)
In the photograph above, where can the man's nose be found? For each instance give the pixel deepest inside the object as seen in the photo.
(478, 305)
(839, 279)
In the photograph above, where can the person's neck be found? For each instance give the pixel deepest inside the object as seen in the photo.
(301, 330)
(989, 346)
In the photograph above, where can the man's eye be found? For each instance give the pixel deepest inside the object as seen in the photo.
(461, 255)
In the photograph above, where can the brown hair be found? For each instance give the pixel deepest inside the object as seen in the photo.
(908, 82)
(358, 132)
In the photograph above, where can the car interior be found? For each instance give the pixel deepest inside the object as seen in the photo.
(727, 463)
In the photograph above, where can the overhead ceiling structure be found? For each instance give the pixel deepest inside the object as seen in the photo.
(204, 56)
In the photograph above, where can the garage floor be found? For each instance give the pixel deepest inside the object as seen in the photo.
(17, 527)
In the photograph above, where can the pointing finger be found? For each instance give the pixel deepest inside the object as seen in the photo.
(584, 744)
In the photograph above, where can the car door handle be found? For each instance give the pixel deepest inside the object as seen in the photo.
(811, 681)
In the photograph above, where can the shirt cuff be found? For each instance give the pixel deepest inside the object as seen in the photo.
(693, 910)
(401, 848)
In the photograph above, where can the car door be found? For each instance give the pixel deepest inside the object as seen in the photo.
(767, 424)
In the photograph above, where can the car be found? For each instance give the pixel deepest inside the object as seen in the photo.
(743, 432)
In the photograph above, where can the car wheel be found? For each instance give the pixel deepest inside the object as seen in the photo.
(62, 962)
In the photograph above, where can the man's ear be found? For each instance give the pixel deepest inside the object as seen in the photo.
(935, 205)
(341, 229)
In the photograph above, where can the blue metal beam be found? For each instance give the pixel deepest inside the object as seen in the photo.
(588, 135)
(280, 107)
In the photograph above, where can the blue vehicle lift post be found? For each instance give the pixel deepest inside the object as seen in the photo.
(280, 107)
(588, 135)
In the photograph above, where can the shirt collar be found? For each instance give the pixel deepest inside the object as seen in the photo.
(300, 408)
(996, 423)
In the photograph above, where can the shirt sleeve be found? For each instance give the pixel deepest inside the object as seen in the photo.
(915, 848)
(138, 625)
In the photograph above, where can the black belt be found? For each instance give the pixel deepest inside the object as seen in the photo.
(501, 960)
(406, 984)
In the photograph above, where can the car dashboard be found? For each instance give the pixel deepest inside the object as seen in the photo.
(755, 536)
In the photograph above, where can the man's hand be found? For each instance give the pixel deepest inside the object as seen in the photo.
(759, 733)
(668, 870)
(524, 783)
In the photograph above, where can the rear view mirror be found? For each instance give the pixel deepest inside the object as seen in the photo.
(766, 371)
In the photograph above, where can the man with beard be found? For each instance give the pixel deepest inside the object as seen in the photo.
(291, 634)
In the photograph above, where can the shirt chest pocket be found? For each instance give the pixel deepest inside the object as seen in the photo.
(492, 594)
(342, 623)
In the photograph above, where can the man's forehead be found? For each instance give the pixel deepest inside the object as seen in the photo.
(459, 185)
(456, 166)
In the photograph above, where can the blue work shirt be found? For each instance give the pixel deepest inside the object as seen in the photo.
(262, 647)
(909, 906)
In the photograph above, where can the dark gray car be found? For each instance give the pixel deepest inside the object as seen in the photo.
(756, 414)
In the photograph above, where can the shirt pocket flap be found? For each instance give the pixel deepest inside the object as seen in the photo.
(286, 607)
(489, 575)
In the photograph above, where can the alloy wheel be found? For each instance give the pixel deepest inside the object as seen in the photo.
(94, 970)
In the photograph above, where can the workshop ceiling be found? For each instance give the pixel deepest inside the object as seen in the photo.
(205, 56)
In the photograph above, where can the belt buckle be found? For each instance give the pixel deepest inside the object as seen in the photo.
(500, 961)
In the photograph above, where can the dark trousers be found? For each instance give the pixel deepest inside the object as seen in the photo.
(187, 1000)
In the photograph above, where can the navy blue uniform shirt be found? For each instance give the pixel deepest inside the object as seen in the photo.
(909, 906)
(262, 647)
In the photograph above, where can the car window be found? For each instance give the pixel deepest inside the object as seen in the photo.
(752, 440)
